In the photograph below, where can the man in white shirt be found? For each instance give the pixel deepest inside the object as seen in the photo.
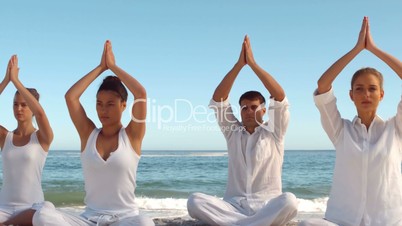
(253, 194)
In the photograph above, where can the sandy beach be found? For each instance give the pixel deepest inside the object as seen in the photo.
(179, 218)
(185, 222)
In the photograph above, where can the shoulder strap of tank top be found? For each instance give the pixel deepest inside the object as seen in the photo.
(34, 137)
(8, 141)
(124, 136)
(35, 140)
(91, 139)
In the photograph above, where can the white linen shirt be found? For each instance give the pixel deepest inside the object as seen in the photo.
(255, 160)
(367, 182)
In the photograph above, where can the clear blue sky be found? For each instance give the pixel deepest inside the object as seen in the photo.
(180, 51)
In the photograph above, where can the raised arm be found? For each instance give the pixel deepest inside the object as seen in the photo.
(82, 123)
(391, 61)
(222, 91)
(45, 132)
(6, 79)
(269, 82)
(325, 81)
(3, 85)
(136, 128)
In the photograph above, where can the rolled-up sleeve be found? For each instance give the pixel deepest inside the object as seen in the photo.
(227, 122)
(330, 117)
(278, 113)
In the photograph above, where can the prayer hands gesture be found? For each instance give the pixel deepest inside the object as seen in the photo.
(12, 68)
(369, 40)
(242, 58)
(365, 41)
(107, 61)
(249, 53)
(246, 54)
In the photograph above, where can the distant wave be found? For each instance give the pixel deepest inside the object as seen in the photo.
(305, 205)
(184, 155)
(318, 205)
(203, 154)
(170, 207)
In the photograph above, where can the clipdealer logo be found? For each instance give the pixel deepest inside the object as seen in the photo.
(181, 115)
(184, 116)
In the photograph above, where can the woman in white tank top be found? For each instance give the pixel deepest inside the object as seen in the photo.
(109, 154)
(23, 152)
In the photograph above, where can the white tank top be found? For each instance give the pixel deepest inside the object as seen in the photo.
(22, 172)
(110, 184)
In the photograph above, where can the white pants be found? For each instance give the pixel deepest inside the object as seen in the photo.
(49, 216)
(7, 212)
(215, 211)
(321, 222)
(316, 222)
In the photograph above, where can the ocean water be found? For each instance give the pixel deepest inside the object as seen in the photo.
(166, 178)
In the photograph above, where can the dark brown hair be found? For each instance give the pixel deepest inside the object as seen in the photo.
(113, 83)
(252, 95)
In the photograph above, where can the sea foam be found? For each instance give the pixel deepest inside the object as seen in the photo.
(171, 207)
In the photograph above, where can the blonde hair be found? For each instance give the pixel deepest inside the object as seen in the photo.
(33, 91)
(365, 71)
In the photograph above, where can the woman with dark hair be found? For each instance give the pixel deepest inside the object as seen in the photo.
(367, 182)
(24, 151)
(109, 154)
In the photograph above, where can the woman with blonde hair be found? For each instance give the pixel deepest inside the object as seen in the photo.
(23, 151)
(367, 182)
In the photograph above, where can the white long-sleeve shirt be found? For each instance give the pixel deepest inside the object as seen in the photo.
(367, 182)
(255, 160)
